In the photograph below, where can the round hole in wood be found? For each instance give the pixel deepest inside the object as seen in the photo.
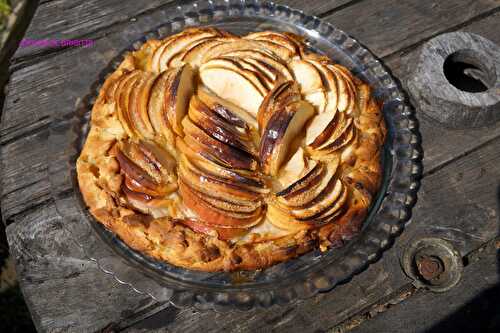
(468, 72)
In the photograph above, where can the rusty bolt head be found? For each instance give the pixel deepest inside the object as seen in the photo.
(429, 267)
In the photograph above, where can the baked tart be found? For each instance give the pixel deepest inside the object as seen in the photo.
(216, 152)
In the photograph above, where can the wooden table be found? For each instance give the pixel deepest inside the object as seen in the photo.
(65, 291)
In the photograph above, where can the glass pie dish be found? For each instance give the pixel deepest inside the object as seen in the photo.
(298, 278)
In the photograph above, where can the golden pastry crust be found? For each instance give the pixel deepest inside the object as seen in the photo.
(161, 126)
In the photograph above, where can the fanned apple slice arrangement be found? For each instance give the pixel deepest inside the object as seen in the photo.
(218, 152)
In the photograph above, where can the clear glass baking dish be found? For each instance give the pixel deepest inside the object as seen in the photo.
(299, 278)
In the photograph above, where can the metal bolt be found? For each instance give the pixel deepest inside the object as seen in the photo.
(430, 267)
(432, 263)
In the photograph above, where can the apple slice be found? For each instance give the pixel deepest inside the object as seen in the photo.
(180, 88)
(159, 157)
(156, 106)
(329, 81)
(247, 179)
(195, 55)
(342, 126)
(122, 97)
(303, 181)
(304, 191)
(306, 75)
(222, 233)
(283, 94)
(260, 72)
(319, 99)
(342, 140)
(236, 66)
(227, 110)
(333, 210)
(321, 127)
(279, 50)
(216, 216)
(233, 45)
(290, 42)
(137, 108)
(220, 203)
(320, 204)
(133, 171)
(272, 63)
(233, 157)
(178, 58)
(281, 129)
(218, 128)
(282, 220)
(346, 90)
(216, 187)
(297, 167)
(176, 45)
(232, 86)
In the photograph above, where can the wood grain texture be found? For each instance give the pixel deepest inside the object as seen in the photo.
(63, 19)
(471, 306)
(386, 26)
(70, 19)
(64, 290)
(438, 98)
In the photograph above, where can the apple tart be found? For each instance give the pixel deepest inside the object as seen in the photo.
(216, 152)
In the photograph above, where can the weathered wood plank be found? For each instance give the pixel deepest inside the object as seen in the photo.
(471, 306)
(390, 25)
(64, 290)
(63, 19)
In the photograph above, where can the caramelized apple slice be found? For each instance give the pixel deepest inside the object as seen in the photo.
(122, 97)
(208, 185)
(180, 89)
(346, 94)
(303, 192)
(195, 55)
(283, 94)
(245, 180)
(156, 105)
(227, 110)
(268, 62)
(288, 40)
(220, 232)
(319, 99)
(215, 216)
(233, 157)
(232, 86)
(176, 45)
(322, 203)
(133, 171)
(342, 126)
(330, 82)
(282, 220)
(219, 129)
(306, 75)
(321, 127)
(281, 129)
(137, 107)
(239, 67)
